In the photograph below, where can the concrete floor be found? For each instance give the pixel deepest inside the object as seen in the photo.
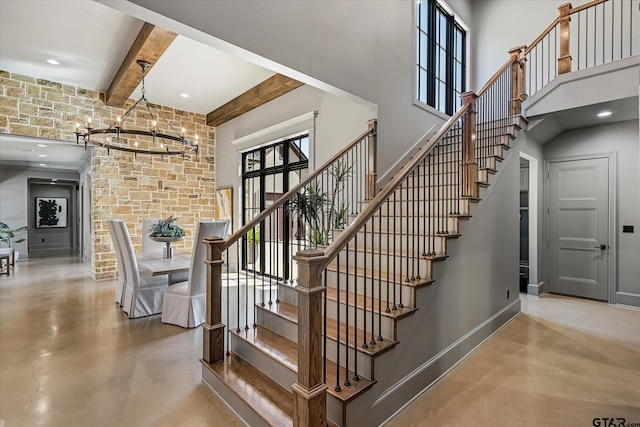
(70, 357)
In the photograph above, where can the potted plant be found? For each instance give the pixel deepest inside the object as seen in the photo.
(166, 228)
(322, 210)
(167, 231)
(8, 236)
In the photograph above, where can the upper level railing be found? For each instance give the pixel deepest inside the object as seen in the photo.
(595, 33)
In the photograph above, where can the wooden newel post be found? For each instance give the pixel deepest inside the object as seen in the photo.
(517, 79)
(470, 174)
(564, 60)
(309, 392)
(213, 329)
(372, 172)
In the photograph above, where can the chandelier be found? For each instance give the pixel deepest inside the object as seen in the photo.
(151, 141)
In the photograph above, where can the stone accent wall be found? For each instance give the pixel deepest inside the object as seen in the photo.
(123, 186)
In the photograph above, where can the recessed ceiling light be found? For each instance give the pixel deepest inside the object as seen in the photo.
(184, 95)
(604, 114)
(42, 155)
(53, 62)
(42, 145)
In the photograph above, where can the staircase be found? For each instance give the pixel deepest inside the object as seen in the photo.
(372, 286)
(333, 337)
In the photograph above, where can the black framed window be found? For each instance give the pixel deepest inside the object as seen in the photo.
(268, 173)
(441, 53)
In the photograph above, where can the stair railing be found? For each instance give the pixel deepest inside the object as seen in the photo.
(302, 218)
(595, 33)
(409, 218)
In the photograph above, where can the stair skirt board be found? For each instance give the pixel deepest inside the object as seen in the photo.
(423, 377)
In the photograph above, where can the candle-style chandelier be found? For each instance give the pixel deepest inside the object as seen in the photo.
(159, 142)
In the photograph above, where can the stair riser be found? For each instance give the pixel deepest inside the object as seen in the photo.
(408, 292)
(433, 193)
(364, 319)
(287, 294)
(397, 242)
(416, 265)
(441, 208)
(277, 324)
(413, 225)
(276, 371)
(365, 361)
(486, 147)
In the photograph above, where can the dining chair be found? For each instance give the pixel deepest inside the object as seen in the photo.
(122, 273)
(185, 303)
(143, 292)
(149, 245)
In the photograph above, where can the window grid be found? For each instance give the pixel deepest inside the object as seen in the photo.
(441, 53)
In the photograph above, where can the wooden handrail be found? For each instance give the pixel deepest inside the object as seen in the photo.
(278, 203)
(345, 236)
(495, 77)
(542, 35)
(557, 20)
(586, 6)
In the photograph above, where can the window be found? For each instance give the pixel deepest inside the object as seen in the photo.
(267, 173)
(441, 52)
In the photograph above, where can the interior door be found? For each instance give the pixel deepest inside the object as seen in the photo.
(579, 228)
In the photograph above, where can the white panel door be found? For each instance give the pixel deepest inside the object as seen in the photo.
(579, 228)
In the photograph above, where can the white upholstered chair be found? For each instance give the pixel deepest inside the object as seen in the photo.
(149, 245)
(143, 292)
(122, 274)
(185, 303)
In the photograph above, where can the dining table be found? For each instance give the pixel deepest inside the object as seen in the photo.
(176, 267)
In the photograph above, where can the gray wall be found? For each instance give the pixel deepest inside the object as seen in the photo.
(14, 191)
(363, 50)
(622, 139)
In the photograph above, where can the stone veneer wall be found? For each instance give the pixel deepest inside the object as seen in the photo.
(122, 186)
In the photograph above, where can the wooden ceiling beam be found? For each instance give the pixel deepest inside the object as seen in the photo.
(264, 92)
(149, 45)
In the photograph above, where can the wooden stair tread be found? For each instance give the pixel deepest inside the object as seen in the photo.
(332, 328)
(356, 341)
(285, 352)
(282, 309)
(332, 295)
(361, 272)
(279, 348)
(270, 401)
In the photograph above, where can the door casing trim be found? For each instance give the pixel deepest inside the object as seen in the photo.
(613, 203)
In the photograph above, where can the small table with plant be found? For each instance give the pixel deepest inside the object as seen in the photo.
(166, 231)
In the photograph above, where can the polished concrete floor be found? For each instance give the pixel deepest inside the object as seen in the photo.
(70, 357)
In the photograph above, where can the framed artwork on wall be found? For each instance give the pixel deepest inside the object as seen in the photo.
(224, 205)
(51, 212)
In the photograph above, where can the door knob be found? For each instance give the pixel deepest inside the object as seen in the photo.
(601, 247)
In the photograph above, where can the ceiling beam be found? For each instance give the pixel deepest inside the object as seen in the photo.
(150, 44)
(264, 92)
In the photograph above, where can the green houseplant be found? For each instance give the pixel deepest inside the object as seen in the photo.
(8, 236)
(323, 210)
(166, 228)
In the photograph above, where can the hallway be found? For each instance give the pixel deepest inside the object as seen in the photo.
(70, 357)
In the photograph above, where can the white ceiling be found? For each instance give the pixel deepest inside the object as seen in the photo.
(90, 40)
